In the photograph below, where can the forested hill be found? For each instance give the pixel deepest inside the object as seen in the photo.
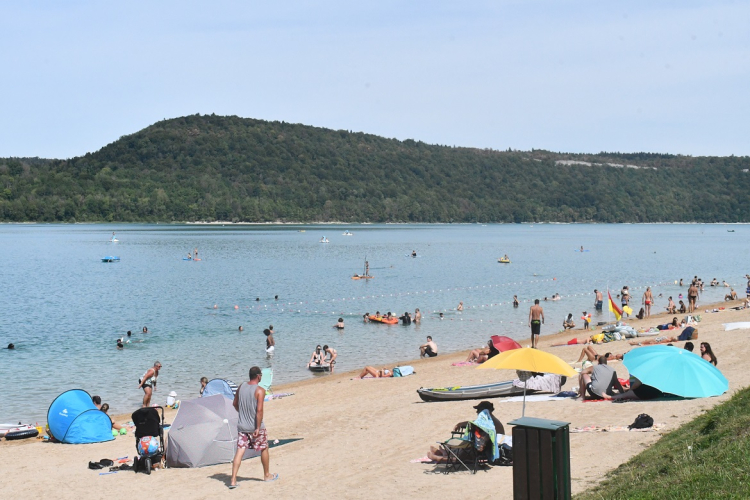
(205, 168)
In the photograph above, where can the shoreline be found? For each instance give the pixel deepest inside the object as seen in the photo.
(545, 342)
(381, 425)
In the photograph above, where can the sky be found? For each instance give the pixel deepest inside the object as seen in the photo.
(568, 76)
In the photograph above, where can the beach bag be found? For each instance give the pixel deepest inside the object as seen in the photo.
(598, 338)
(403, 371)
(689, 333)
(642, 421)
(506, 456)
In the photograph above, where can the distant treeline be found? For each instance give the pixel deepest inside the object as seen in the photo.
(206, 168)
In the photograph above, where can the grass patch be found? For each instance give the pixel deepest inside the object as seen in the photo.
(708, 457)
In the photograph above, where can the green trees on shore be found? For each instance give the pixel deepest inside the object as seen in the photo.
(205, 168)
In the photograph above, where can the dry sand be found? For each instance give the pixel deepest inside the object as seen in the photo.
(359, 436)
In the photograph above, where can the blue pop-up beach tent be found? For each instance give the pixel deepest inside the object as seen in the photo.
(74, 419)
(221, 386)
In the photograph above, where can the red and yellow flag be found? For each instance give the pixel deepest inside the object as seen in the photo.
(613, 307)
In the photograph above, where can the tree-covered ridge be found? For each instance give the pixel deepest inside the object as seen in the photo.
(236, 169)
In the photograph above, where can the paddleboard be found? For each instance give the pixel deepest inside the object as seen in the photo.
(319, 368)
(185, 258)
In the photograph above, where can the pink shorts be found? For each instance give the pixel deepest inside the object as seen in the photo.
(245, 440)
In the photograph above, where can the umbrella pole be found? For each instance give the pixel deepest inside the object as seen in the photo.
(523, 411)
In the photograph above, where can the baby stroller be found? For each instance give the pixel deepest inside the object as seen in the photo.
(149, 438)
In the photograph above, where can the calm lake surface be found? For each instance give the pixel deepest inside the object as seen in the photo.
(64, 309)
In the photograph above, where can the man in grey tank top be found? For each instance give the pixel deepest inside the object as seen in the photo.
(248, 401)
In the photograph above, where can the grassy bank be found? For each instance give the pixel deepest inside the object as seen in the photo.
(706, 458)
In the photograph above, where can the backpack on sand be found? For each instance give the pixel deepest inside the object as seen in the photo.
(642, 421)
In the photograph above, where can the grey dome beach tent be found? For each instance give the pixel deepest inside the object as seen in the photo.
(204, 432)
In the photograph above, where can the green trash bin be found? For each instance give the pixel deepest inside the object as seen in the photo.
(541, 459)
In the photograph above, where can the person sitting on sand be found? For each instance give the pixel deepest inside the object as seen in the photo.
(204, 383)
(671, 307)
(732, 295)
(568, 322)
(340, 324)
(97, 400)
(638, 391)
(689, 346)
(482, 354)
(317, 357)
(329, 351)
(115, 425)
(682, 309)
(438, 455)
(375, 373)
(708, 354)
(599, 380)
(429, 349)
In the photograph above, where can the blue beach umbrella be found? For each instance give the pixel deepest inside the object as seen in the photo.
(676, 371)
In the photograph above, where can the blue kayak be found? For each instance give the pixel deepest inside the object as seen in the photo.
(111, 258)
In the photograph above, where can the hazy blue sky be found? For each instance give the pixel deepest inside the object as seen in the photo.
(560, 75)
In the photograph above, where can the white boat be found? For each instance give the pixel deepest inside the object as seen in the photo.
(347, 233)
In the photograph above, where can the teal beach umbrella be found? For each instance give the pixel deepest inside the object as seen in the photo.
(676, 371)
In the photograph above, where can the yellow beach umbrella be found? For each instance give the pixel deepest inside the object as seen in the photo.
(530, 360)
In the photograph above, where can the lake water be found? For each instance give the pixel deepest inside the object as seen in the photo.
(64, 308)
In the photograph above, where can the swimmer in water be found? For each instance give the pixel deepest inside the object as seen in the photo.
(120, 345)
(240, 328)
(11, 347)
(460, 306)
(145, 330)
(442, 316)
(340, 324)
(413, 253)
(270, 343)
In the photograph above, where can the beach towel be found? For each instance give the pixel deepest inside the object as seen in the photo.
(532, 398)
(464, 363)
(742, 325)
(549, 382)
(484, 421)
(616, 428)
(403, 371)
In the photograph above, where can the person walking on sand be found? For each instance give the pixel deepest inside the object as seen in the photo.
(148, 383)
(598, 301)
(692, 297)
(251, 431)
(536, 318)
(648, 299)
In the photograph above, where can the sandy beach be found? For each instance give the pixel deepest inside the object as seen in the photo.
(358, 436)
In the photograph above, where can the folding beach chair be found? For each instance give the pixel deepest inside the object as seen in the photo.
(461, 451)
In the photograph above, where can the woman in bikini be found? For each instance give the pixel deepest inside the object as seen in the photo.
(375, 373)
(648, 299)
(708, 354)
(317, 357)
